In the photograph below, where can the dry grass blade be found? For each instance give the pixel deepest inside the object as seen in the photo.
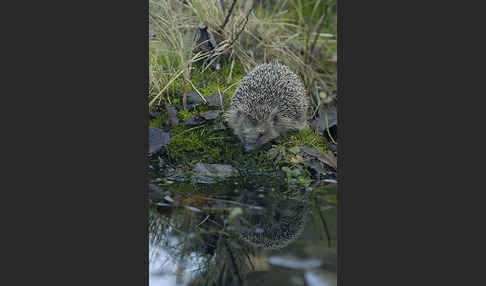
(197, 91)
(317, 27)
(165, 87)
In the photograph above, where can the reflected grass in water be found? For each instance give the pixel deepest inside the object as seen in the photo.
(214, 248)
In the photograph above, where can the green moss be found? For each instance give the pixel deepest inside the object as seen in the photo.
(192, 144)
(184, 115)
(159, 122)
(308, 137)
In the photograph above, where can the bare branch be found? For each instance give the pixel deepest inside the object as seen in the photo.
(244, 25)
(229, 14)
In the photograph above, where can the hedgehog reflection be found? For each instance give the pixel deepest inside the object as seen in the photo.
(224, 251)
(275, 226)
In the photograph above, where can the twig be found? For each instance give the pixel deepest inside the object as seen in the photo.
(244, 25)
(226, 89)
(203, 221)
(317, 28)
(229, 14)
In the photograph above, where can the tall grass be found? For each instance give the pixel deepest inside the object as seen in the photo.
(175, 46)
(297, 33)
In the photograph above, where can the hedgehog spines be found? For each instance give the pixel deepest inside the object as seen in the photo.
(274, 97)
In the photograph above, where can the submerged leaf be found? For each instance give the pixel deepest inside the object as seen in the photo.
(215, 170)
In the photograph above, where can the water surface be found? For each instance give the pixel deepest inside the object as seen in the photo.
(242, 232)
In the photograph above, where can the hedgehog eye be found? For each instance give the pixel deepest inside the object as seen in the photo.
(260, 135)
(275, 119)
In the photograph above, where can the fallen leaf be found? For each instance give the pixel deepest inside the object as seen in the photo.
(319, 123)
(157, 139)
(216, 99)
(327, 158)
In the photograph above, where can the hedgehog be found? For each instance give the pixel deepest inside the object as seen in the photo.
(281, 223)
(268, 102)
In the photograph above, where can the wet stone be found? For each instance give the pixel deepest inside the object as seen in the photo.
(208, 171)
(193, 121)
(315, 278)
(211, 115)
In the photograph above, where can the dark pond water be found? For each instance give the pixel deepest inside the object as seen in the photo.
(247, 231)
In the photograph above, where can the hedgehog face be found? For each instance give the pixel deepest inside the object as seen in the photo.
(252, 132)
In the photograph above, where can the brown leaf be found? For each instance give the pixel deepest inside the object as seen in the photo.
(216, 99)
(327, 158)
(157, 139)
